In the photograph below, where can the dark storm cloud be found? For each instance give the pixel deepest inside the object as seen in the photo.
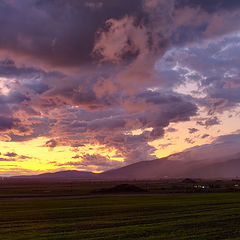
(154, 110)
(74, 96)
(63, 33)
(56, 32)
(8, 123)
(8, 69)
(64, 19)
(32, 130)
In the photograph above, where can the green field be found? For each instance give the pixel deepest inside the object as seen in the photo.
(190, 216)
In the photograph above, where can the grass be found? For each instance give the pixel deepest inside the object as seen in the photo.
(180, 217)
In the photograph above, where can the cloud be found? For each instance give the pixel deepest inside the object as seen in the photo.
(96, 161)
(192, 130)
(205, 136)
(171, 130)
(39, 38)
(223, 146)
(7, 123)
(54, 45)
(189, 140)
(7, 159)
(111, 127)
(51, 143)
(211, 67)
(122, 38)
(211, 6)
(24, 157)
(209, 122)
(12, 154)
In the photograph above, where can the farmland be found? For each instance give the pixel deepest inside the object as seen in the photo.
(22, 188)
(200, 216)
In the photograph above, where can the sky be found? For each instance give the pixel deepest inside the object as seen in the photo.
(99, 84)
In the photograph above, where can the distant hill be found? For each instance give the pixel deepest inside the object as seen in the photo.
(62, 174)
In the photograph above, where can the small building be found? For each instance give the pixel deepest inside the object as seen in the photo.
(201, 186)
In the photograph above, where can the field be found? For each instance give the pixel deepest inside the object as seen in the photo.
(10, 188)
(200, 216)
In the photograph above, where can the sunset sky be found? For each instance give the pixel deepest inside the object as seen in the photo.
(99, 84)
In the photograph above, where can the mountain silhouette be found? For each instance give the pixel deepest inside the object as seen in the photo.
(180, 167)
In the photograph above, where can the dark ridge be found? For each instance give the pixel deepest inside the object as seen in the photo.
(122, 188)
(188, 180)
(62, 174)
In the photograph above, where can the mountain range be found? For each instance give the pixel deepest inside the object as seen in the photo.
(173, 166)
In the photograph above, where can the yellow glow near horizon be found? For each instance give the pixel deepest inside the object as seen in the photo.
(44, 159)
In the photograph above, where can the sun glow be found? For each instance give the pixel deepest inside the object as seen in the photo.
(33, 156)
